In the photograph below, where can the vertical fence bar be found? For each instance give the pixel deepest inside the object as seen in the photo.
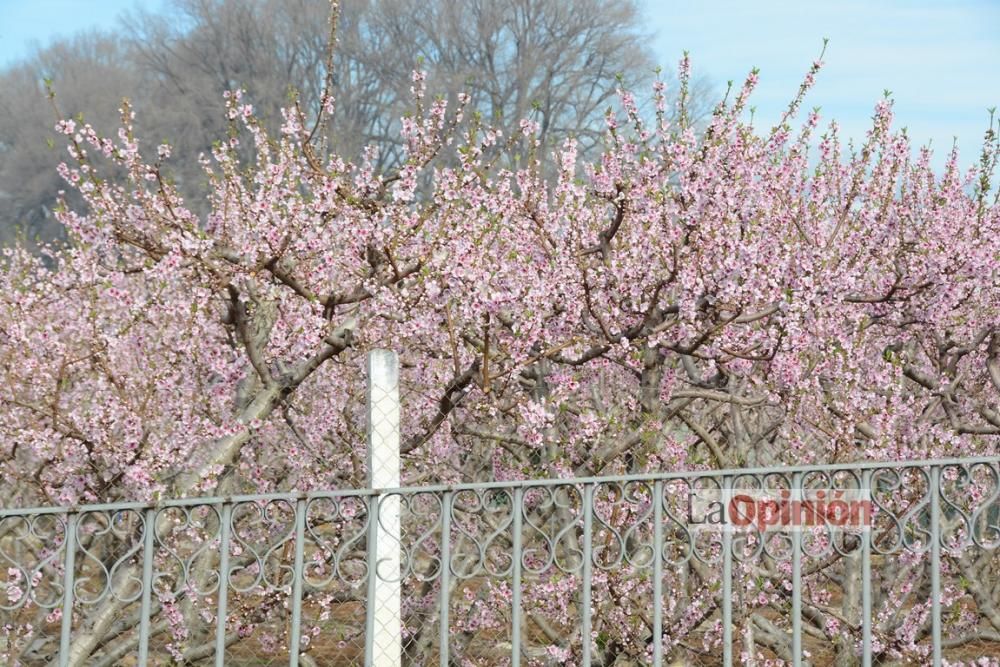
(727, 577)
(935, 491)
(69, 581)
(796, 577)
(295, 635)
(587, 572)
(866, 578)
(149, 541)
(445, 602)
(516, 548)
(658, 573)
(372, 562)
(220, 617)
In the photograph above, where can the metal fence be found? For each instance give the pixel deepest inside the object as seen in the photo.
(603, 571)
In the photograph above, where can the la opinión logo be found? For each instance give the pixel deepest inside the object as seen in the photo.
(780, 509)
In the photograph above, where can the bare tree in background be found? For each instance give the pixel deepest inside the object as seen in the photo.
(92, 75)
(558, 61)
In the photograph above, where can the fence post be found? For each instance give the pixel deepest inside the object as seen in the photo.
(384, 617)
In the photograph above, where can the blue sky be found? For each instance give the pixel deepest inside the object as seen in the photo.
(25, 24)
(941, 59)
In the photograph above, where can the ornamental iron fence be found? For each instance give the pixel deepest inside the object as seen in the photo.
(740, 566)
(872, 563)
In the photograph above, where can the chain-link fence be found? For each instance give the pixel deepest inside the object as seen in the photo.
(898, 566)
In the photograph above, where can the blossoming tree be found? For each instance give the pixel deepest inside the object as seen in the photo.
(692, 300)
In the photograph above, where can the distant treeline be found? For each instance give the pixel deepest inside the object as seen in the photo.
(558, 61)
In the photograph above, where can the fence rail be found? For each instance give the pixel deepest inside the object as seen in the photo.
(597, 571)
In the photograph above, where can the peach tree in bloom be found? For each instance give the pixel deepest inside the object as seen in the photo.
(697, 298)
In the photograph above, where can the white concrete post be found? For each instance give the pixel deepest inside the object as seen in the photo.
(384, 615)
